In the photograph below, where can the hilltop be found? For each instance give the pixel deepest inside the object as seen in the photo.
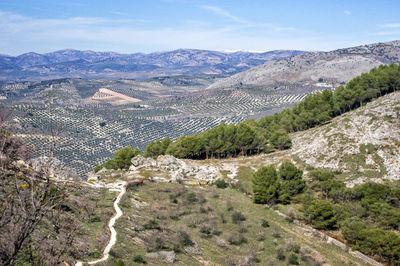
(316, 69)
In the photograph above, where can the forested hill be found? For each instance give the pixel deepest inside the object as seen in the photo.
(271, 132)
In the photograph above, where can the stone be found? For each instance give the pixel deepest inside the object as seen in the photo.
(168, 256)
(177, 169)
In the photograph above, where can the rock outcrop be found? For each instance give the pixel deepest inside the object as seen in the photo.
(54, 167)
(168, 256)
(175, 168)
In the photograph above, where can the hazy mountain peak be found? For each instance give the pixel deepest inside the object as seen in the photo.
(335, 66)
(76, 63)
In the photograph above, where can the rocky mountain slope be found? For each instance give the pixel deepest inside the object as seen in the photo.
(360, 146)
(322, 69)
(91, 64)
(363, 144)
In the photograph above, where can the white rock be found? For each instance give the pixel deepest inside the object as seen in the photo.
(168, 256)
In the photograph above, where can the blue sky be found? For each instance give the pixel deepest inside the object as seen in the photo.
(154, 25)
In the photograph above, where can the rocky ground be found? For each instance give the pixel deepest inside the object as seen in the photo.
(363, 144)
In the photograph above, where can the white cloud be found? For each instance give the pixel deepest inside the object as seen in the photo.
(347, 12)
(224, 13)
(245, 23)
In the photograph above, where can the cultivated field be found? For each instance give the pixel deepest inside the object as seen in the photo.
(98, 117)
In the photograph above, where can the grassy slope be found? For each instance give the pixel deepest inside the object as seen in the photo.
(92, 234)
(190, 217)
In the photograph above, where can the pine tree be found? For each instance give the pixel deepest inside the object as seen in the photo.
(265, 185)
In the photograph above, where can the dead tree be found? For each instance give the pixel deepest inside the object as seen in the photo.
(31, 201)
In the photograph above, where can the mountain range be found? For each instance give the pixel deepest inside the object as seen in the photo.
(90, 64)
(304, 70)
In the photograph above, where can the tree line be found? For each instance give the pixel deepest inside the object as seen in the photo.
(271, 132)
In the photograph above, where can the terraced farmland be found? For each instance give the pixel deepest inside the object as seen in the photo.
(228, 102)
(92, 131)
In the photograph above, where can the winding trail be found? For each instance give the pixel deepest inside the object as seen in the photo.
(121, 187)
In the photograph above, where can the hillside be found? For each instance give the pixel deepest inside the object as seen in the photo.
(358, 147)
(317, 69)
(90, 64)
(363, 144)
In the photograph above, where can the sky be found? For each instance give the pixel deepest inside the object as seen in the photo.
(130, 26)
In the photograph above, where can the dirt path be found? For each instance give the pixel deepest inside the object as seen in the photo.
(121, 188)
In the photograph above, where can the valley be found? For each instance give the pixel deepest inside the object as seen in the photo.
(135, 112)
(271, 166)
(94, 127)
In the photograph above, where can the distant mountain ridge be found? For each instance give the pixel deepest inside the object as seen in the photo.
(304, 70)
(71, 63)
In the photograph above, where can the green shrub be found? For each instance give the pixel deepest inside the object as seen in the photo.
(373, 192)
(280, 140)
(139, 259)
(321, 214)
(122, 158)
(321, 175)
(237, 239)
(238, 217)
(120, 263)
(291, 182)
(156, 148)
(372, 241)
(97, 168)
(191, 197)
(152, 224)
(293, 259)
(111, 164)
(264, 223)
(220, 183)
